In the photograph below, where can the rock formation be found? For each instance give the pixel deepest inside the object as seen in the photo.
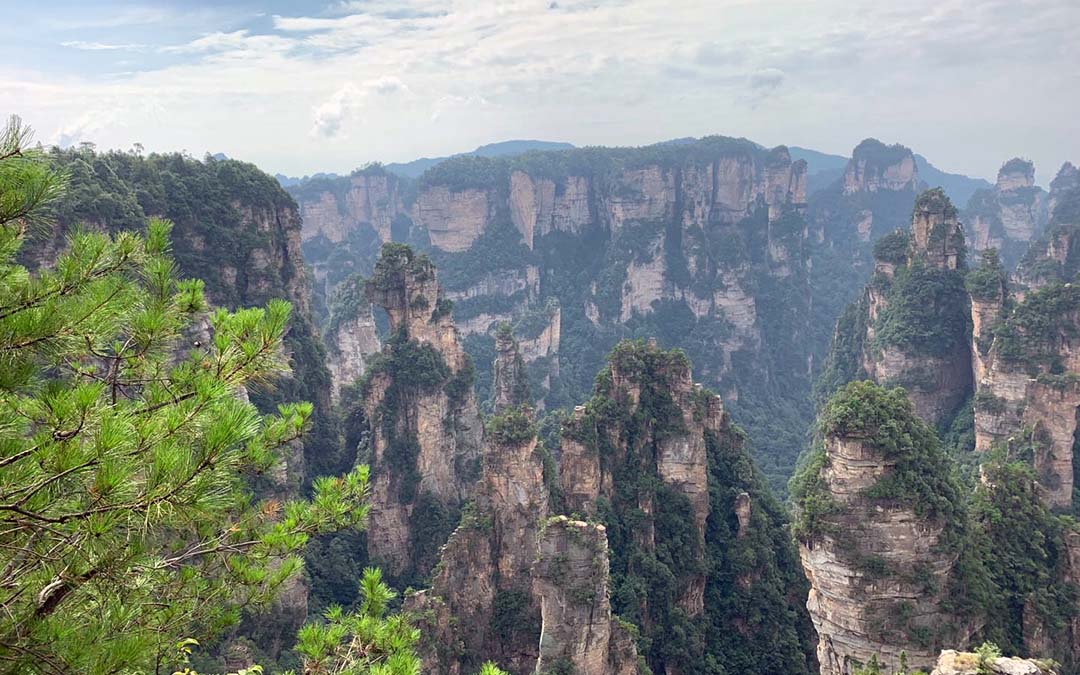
(876, 167)
(679, 238)
(351, 338)
(1009, 215)
(910, 327)
(580, 634)
(425, 429)
(1066, 181)
(481, 605)
(1029, 389)
(879, 552)
(679, 425)
(952, 662)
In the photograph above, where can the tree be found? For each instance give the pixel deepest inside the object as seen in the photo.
(128, 448)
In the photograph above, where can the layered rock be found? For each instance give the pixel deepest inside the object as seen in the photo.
(915, 311)
(425, 430)
(879, 562)
(952, 662)
(1055, 256)
(1009, 215)
(876, 167)
(481, 605)
(351, 338)
(580, 634)
(1030, 386)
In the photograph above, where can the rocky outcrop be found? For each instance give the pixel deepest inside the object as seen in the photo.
(370, 196)
(1066, 180)
(968, 663)
(1009, 215)
(876, 167)
(1030, 387)
(425, 429)
(879, 566)
(539, 206)
(935, 370)
(580, 634)
(481, 604)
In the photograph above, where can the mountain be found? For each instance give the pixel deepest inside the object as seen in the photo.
(824, 169)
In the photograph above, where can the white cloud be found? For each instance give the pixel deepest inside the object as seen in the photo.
(100, 46)
(436, 76)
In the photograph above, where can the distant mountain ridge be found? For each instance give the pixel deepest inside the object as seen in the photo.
(822, 168)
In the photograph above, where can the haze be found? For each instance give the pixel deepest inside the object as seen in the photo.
(301, 87)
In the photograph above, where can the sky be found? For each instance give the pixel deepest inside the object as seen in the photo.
(305, 86)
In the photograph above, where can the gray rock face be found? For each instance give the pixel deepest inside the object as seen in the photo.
(579, 629)
(1010, 215)
(858, 610)
(966, 663)
(444, 433)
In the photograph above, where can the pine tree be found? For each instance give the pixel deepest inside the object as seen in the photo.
(128, 448)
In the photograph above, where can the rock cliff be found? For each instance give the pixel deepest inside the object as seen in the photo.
(968, 663)
(878, 526)
(425, 430)
(696, 541)
(877, 167)
(482, 605)
(701, 243)
(1029, 386)
(580, 634)
(1010, 215)
(910, 327)
(351, 337)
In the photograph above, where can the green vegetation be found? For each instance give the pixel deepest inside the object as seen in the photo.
(886, 421)
(1031, 334)
(926, 311)
(747, 575)
(893, 247)
(512, 426)
(1025, 556)
(128, 458)
(987, 282)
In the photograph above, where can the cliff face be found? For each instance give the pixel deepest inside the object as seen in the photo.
(910, 327)
(580, 635)
(878, 556)
(351, 337)
(657, 460)
(1055, 255)
(1028, 387)
(1010, 215)
(703, 244)
(425, 430)
(482, 604)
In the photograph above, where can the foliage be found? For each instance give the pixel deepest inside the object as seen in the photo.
(926, 311)
(987, 281)
(885, 420)
(127, 451)
(364, 642)
(893, 247)
(1031, 334)
(1025, 554)
(512, 426)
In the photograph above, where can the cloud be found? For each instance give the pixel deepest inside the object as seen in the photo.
(329, 115)
(101, 46)
(84, 127)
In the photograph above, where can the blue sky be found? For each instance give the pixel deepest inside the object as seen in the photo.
(299, 87)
